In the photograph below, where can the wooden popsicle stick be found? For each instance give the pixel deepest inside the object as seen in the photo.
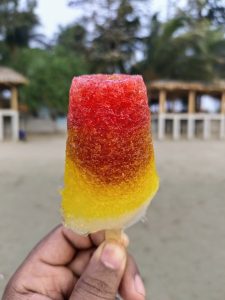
(118, 236)
(113, 234)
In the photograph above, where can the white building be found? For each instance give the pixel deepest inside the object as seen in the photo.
(188, 109)
(10, 81)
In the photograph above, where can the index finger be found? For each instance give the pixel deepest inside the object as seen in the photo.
(60, 246)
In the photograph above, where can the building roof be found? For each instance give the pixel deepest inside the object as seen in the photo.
(11, 77)
(172, 85)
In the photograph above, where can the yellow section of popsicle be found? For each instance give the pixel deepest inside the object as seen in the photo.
(86, 203)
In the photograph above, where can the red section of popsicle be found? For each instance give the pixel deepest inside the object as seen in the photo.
(109, 126)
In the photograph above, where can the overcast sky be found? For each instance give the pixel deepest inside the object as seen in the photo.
(53, 13)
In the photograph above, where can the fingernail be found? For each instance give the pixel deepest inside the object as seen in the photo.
(139, 286)
(125, 240)
(112, 256)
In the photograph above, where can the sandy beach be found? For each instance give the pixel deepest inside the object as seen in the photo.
(180, 247)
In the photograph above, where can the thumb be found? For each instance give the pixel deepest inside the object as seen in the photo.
(103, 275)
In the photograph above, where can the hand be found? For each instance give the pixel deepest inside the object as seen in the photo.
(65, 265)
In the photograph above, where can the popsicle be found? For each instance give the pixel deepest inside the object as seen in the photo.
(110, 174)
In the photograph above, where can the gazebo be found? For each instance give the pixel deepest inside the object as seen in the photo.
(165, 92)
(10, 81)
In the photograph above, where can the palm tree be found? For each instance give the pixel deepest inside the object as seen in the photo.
(17, 27)
(183, 49)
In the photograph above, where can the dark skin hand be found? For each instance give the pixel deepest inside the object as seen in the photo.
(67, 266)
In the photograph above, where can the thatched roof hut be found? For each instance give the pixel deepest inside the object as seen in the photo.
(172, 85)
(162, 87)
(9, 77)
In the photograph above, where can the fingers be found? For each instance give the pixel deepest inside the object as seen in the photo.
(99, 237)
(60, 246)
(79, 264)
(77, 241)
(132, 287)
(103, 274)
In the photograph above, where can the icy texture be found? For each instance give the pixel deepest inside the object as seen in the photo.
(110, 174)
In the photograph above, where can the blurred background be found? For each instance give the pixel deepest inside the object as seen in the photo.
(179, 48)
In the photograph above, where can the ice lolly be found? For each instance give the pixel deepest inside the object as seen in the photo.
(110, 173)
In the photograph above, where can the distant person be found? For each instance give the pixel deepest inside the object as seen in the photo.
(65, 265)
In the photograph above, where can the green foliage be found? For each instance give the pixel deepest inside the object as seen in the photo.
(50, 71)
(114, 47)
(50, 74)
(114, 35)
(183, 49)
(106, 38)
(73, 38)
(16, 26)
(211, 10)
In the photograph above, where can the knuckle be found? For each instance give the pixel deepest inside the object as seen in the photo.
(11, 293)
(97, 288)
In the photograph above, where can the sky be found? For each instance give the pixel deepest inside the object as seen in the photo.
(54, 13)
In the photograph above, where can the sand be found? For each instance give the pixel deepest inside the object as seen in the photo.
(180, 248)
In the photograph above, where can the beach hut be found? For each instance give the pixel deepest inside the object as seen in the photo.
(178, 102)
(10, 81)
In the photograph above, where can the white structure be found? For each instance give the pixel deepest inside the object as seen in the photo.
(191, 124)
(164, 91)
(9, 83)
(14, 115)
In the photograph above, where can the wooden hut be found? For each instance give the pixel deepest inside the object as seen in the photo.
(163, 91)
(10, 81)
